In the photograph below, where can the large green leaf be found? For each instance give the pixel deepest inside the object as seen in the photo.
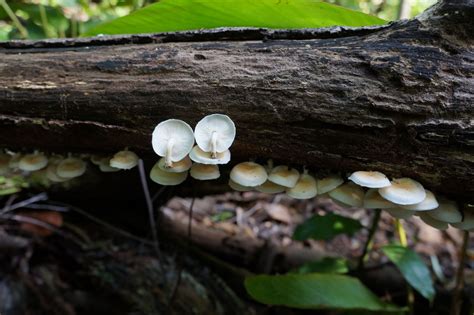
(180, 15)
(314, 291)
(325, 227)
(325, 265)
(413, 269)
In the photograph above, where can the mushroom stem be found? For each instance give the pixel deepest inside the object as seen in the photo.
(214, 145)
(458, 289)
(169, 149)
(370, 237)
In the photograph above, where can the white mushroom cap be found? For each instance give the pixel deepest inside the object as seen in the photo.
(305, 187)
(97, 160)
(370, 179)
(404, 191)
(248, 174)
(178, 167)
(467, 222)
(238, 187)
(4, 163)
(215, 133)
(199, 156)
(373, 200)
(447, 211)
(204, 171)
(71, 167)
(124, 160)
(400, 213)
(432, 221)
(172, 139)
(429, 203)
(348, 194)
(33, 162)
(105, 167)
(270, 188)
(51, 173)
(329, 183)
(167, 178)
(284, 176)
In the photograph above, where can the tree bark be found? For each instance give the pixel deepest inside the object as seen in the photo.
(396, 98)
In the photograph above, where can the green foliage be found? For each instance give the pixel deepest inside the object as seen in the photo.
(315, 291)
(413, 269)
(325, 227)
(180, 15)
(222, 216)
(325, 265)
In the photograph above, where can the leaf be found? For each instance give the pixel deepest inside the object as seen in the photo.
(314, 291)
(326, 227)
(413, 269)
(222, 216)
(180, 15)
(325, 265)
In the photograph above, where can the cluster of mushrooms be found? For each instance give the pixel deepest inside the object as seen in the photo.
(60, 169)
(174, 140)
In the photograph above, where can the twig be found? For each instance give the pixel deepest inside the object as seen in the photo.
(39, 197)
(458, 290)
(23, 31)
(47, 207)
(370, 237)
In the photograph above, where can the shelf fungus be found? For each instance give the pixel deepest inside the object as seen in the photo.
(172, 139)
(71, 167)
(284, 176)
(329, 183)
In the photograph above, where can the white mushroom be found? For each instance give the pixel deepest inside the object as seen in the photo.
(400, 213)
(238, 187)
(270, 188)
(348, 194)
(167, 178)
(432, 221)
(404, 191)
(447, 211)
(71, 167)
(429, 203)
(215, 134)
(199, 156)
(284, 176)
(373, 200)
(370, 179)
(329, 183)
(305, 187)
(172, 139)
(105, 167)
(51, 172)
(33, 162)
(468, 221)
(178, 167)
(248, 174)
(204, 171)
(97, 160)
(124, 160)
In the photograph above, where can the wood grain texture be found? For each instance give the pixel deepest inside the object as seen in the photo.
(397, 98)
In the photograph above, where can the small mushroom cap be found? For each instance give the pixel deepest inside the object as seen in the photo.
(199, 156)
(124, 160)
(305, 188)
(329, 183)
(176, 131)
(238, 187)
(404, 191)
(429, 203)
(4, 163)
(432, 221)
(373, 200)
(370, 179)
(284, 176)
(33, 162)
(270, 188)
(223, 129)
(167, 178)
(71, 167)
(348, 194)
(51, 173)
(97, 160)
(177, 167)
(204, 171)
(400, 213)
(105, 167)
(248, 174)
(447, 211)
(467, 223)
(15, 161)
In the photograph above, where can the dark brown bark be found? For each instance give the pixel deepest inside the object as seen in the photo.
(397, 98)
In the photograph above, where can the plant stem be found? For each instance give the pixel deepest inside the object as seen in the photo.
(44, 21)
(402, 235)
(458, 290)
(370, 237)
(23, 31)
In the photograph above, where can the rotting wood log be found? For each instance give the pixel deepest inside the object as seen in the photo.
(396, 98)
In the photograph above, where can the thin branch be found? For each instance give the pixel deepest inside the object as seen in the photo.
(39, 197)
